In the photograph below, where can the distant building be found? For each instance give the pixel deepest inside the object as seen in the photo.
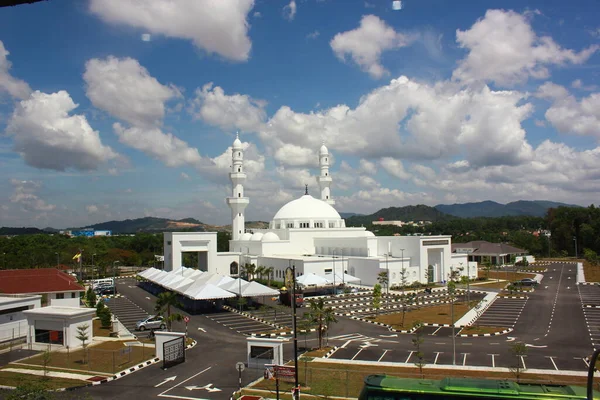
(401, 223)
(57, 287)
(85, 233)
(480, 250)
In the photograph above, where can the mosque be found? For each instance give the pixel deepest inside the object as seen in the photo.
(310, 234)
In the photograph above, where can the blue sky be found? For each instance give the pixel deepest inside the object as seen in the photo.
(114, 109)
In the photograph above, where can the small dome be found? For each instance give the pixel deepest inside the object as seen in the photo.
(270, 237)
(323, 150)
(256, 237)
(306, 208)
(246, 236)
(369, 234)
(237, 144)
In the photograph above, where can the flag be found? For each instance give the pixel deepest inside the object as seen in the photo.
(77, 256)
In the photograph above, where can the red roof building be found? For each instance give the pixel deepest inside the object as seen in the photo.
(37, 281)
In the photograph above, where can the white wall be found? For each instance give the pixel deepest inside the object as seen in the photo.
(224, 260)
(66, 302)
(177, 242)
(14, 324)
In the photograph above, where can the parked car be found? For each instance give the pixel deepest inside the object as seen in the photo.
(103, 290)
(153, 322)
(526, 282)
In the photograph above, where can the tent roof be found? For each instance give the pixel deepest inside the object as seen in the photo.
(150, 272)
(173, 282)
(345, 278)
(158, 277)
(208, 292)
(253, 289)
(182, 285)
(234, 285)
(312, 279)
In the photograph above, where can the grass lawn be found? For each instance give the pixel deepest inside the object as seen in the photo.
(471, 330)
(99, 330)
(14, 379)
(510, 276)
(440, 314)
(109, 357)
(490, 285)
(591, 272)
(347, 380)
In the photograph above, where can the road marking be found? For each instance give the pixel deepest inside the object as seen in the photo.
(181, 383)
(385, 351)
(523, 361)
(493, 360)
(587, 364)
(147, 298)
(553, 363)
(441, 343)
(465, 359)
(436, 331)
(395, 335)
(492, 344)
(408, 358)
(202, 329)
(356, 354)
(437, 354)
(467, 344)
(172, 378)
(346, 344)
(510, 339)
(536, 347)
(208, 388)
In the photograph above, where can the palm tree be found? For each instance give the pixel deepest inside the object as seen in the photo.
(249, 270)
(321, 316)
(164, 302)
(260, 271)
(269, 272)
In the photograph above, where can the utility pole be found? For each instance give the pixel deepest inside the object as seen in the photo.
(296, 393)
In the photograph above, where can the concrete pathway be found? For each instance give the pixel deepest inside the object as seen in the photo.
(52, 374)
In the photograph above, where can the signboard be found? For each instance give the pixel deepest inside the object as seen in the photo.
(186, 319)
(240, 366)
(285, 373)
(173, 352)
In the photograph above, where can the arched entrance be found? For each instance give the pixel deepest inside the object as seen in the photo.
(233, 268)
(430, 274)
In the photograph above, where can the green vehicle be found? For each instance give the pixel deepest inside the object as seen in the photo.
(382, 387)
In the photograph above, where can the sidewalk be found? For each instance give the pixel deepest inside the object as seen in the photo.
(52, 374)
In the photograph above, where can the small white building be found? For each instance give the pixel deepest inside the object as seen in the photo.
(13, 323)
(55, 325)
(311, 235)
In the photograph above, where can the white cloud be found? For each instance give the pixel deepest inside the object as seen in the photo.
(25, 195)
(296, 156)
(503, 48)
(92, 208)
(395, 168)
(216, 169)
(48, 137)
(13, 86)
(368, 167)
(146, 37)
(366, 43)
(257, 14)
(185, 176)
(313, 35)
(235, 112)
(167, 148)
(568, 115)
(125, 89)
(219, 27)
(578, 84)
(540, 123)
(289, 11)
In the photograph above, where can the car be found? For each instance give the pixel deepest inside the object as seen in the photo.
(101, 291)
(153, 322)
(526, 282)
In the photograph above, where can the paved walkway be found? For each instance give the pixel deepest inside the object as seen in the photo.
(52, 374)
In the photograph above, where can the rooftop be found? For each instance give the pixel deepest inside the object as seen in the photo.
(481, 247)
(43, 280)
(61, 311)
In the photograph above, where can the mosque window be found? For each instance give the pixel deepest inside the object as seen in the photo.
(239, 195)
(325, 159)
(239, 170)
(240, 214)
(327, 197)
(332, 224)
(290, 225)
(239, 154)
(325, 173)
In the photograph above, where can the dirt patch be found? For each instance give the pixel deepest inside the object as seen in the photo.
(591, 272)
(439, 314)
(99, 330)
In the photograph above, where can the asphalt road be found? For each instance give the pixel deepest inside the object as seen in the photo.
(551, 324)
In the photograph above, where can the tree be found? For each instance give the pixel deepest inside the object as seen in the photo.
(46, 358)
(377, 298)
(486, 266)
(428, 276)
(384, 280)
(451, 299)
(164, 302)
(90, 297)
(269, 272)
(260, 271)
(82, 335)
(518, 349)
(321, 316)
(31, 390)
(417, 341)
(104, 314)
(249, 271)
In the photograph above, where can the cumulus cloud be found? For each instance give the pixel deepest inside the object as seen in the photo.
(365, 44)
(503, 48)
(228, 112)
(569, 115)
(24, 194)
(92, 208)
(368, 167)
(172, 151)
(216, 169)
(48, 137)
(289, 11)
(125, 89)
(395, 168)
(185, 176)
(146, 37)
(313, 35)
(218, 27)
(9, 84)
(296, 156)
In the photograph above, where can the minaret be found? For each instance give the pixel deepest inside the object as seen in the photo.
(324, 179)
(237, 202)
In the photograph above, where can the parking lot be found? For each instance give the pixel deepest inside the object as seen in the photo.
(239, 323)
(503, 312)
(590, 301)
(127, 312)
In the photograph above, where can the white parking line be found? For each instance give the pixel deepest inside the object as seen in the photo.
(553, 363)
(408, 358)
(523, 361)
(384, 352)
(493, 360)
(356, 354)
(437, 354)
(436, 331)
(465, 359)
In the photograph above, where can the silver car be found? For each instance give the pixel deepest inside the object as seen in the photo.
(153, 322)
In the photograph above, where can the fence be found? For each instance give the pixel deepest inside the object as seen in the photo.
(14, 337)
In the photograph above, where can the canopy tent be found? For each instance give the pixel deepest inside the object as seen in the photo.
(251, 289)
(158, 277)
(344, 278)
(149, 273)
(173, 282)
(208, 292)
(191, 273)
(234, 285)
(312, 279)
(182, 285)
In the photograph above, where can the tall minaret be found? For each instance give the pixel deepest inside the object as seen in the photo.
(324, 179)
(237, 202)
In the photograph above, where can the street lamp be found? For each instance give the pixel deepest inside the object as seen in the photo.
(296, 385)
(114, 276)
(387, 283)
(333, 258)
(575, 240)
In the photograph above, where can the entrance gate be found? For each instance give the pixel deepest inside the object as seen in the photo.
(173, 352)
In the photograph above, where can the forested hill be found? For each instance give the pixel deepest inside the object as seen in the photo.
(150, 224)
(409, 213)
(535, 208)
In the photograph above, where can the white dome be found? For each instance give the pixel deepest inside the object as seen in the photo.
(256, 237)
(323, 150)
(245, 236)
(307, 208)
(237, 144)
(270, 237)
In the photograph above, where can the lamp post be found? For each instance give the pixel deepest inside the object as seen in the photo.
(387, 283)
(93, 265)
(114, 275)
(333, 258)
(575, 241)
(296, 385)
(402, 268)
(57, 259)
(343, 272)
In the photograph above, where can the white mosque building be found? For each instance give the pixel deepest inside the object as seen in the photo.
(311, 235)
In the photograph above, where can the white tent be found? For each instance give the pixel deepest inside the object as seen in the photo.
(149, 273)
(158, 277)
(312, 279)
(181, 286)
(191, 273)
(234, 285)
(173, 282)
(339, 279)
(208, 292)
(251, 289)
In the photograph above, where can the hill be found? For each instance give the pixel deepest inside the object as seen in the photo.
(534, 208)
(151, 224)
(409, 213)
(8, 231)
